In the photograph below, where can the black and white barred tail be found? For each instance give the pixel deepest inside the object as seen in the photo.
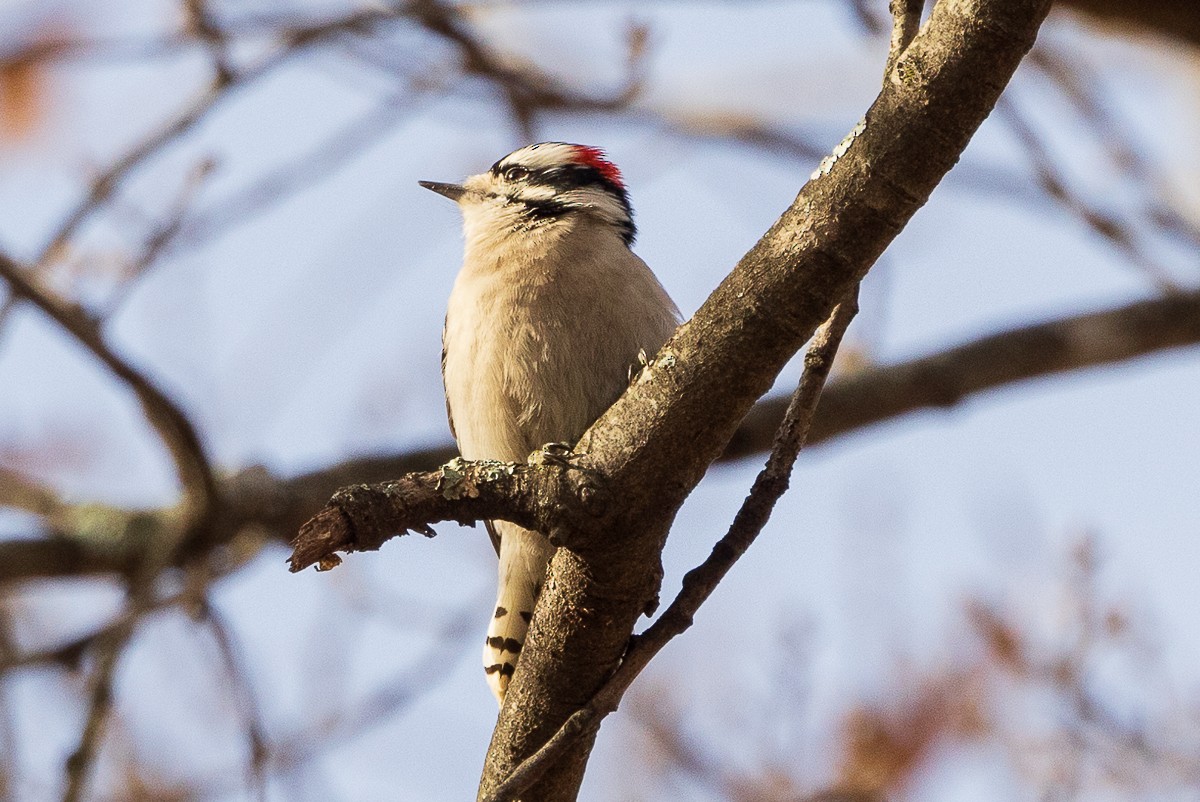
(524, 556)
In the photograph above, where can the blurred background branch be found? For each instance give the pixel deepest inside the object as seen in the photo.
(164, 167)
(868, 395)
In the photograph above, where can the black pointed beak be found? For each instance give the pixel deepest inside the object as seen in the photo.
(451, 191)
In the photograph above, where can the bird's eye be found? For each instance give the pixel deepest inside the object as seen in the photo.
(516, 173)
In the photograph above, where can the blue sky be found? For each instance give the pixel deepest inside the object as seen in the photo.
(310, 333)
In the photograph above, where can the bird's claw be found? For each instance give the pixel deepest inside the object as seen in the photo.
(635, 370)
(553, 454)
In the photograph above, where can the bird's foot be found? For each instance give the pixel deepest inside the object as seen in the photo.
(553, 454)
(636, 368)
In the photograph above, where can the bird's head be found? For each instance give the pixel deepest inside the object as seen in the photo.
(540, 188)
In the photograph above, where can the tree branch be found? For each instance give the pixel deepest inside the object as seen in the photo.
(21, 492)
(906, 21)
(699, 583)
(659, 438)
(242, 693)
(1177, 19)
(528, 90)
(110, 647)
(296, 39)
(866, 397)
(201, 496)
(1122, 236)
(552, 496)
(947, 378)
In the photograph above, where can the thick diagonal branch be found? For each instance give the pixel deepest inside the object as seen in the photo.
(657, 441)
(699, 583)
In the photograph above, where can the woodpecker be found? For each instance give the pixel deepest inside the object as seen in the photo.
(548, 316)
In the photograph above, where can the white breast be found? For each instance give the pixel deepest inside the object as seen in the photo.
(540, 336)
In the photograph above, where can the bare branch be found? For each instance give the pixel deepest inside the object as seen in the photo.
(289, 29)
(319, 163)
(62, 49)
(70, 654)
(8, 728)
(699, 583)
(423, 674)
(949, 377)
(906, 20)
(1055, 185)
(1178, 19)
(1085, 93)
(45, 558)
(659, 438)
(866, 397)
(104, 184)
(527, 89)
(21, 492)
(102, 187)
(165, 234)
(201, 496)
(110, 647)
(243, 690)
(203, 26)
(110, 644)
(552, 497)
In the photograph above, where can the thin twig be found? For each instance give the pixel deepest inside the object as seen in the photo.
(8, 728)
(103, 185)
(526, 89)
(164, 234)
(1054, 183)
(109, 649)
(906, 21)
(243, 691)
(141, 600)
(55, 50)
(287, 28)
(699, 583)
(202, 24)
(325, 159)
(291, 752)
(1085, 93)
(418, 679)
(183, 226)
(6, 308)
(70, 654)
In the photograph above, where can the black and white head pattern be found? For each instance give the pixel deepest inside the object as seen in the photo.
(551, 180)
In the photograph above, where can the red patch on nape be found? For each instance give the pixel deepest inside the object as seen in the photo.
(595, 158)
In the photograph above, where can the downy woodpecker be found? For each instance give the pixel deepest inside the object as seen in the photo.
(546, 319)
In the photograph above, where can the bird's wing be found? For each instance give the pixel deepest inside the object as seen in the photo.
(449, 413)
(491, 528)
